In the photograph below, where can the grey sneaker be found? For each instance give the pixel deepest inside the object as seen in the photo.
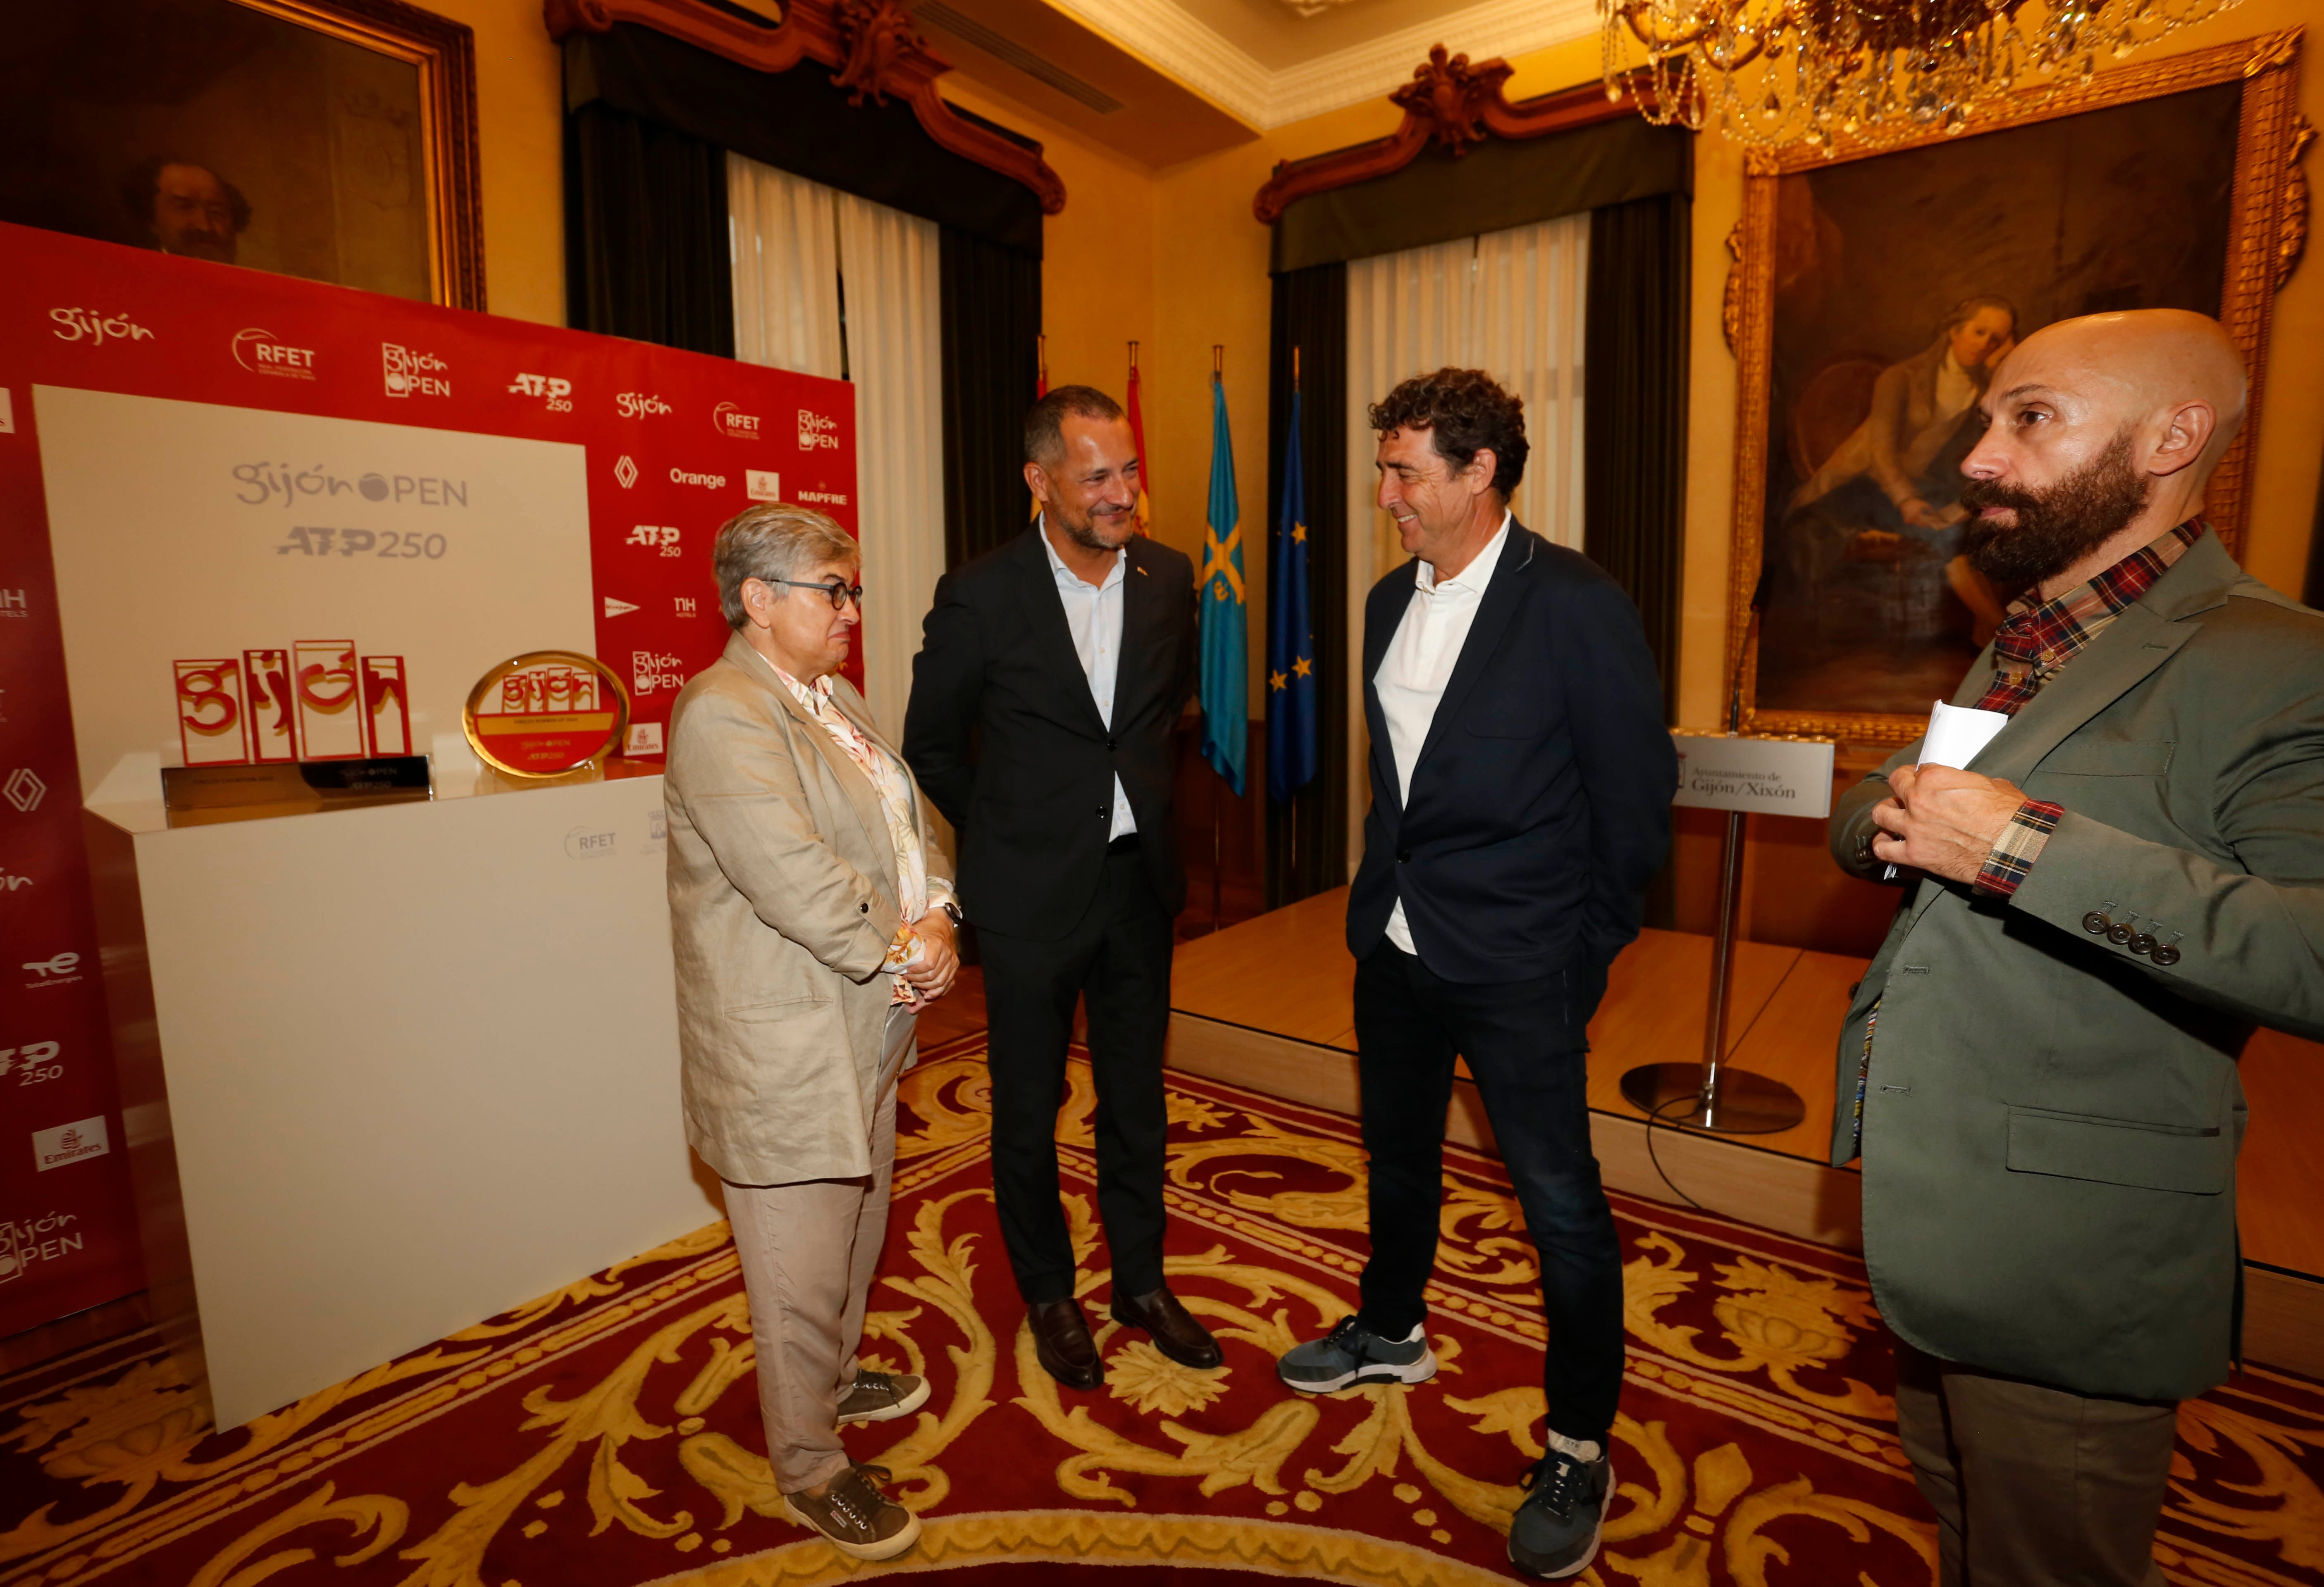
(1554, 1533)
(881, 1397)
(855, 1517)
(1351, 1353)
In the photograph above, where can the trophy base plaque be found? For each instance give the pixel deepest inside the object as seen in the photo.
(200, 796)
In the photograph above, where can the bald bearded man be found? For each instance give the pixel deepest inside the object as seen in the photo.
(2040, 1067)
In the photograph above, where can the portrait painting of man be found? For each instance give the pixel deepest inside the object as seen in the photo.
(1899, 282)
(223, 131)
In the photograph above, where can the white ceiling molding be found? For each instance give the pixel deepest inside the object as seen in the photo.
(1172, 39)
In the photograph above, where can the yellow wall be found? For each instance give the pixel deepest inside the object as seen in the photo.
(1175, 261)
(520, 124)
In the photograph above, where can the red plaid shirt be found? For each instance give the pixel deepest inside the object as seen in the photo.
(2034, 643)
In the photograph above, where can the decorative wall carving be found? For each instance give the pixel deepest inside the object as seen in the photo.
(871, 46)
(1448, 102)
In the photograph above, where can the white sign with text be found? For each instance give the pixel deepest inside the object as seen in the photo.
(1760, 776)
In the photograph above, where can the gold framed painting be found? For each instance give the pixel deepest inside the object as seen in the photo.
(330, 139)
(1873, 292)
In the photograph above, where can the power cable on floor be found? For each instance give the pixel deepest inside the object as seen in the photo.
(1660, 1112)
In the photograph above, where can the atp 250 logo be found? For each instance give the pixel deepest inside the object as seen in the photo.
(556, 395)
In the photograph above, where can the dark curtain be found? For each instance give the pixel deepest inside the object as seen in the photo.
(1307, 838)
(1497, 184)
(646, 250)
(1633, 410)
(991, 313)
(795, 121)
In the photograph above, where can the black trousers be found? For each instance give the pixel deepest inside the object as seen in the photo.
(1119, 957)
(1524, 1041)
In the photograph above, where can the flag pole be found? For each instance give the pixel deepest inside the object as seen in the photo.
(1292, 864)
(1218, 845)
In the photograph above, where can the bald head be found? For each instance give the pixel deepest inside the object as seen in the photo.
(2140, 365)
(2103, 433)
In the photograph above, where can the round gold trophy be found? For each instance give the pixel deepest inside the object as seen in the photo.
(547, 714)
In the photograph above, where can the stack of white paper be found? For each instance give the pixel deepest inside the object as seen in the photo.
(1956, 732)
(1955, 736)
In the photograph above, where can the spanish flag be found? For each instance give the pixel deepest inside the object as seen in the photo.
(1138, 439)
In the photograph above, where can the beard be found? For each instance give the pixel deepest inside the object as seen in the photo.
(2056, 527)
(1092, 532)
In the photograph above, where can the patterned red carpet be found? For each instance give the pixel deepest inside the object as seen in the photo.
(606, 1435)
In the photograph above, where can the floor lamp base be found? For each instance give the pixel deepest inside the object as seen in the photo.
(1747, 1103)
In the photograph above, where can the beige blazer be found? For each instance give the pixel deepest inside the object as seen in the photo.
(782, 902)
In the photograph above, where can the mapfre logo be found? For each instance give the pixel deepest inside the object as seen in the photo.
(640, 405)
(734, 424)
(407, 372)
(96, 327)
(258, 352)
(557, 393)
(815, 432)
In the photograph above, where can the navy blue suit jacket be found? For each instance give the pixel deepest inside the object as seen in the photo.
(1540, 803)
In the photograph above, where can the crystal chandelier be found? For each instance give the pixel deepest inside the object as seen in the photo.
(1822, 72)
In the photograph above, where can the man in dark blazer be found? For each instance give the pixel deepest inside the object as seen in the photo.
(1521, 778)
(1052, 672)
(2039, 1068)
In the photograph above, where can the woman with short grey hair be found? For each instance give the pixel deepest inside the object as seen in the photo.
(812, 917)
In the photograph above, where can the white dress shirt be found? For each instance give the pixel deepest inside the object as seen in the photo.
(1419, 663)
(1094, 616)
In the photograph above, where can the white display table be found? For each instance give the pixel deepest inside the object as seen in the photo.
(387, 1072)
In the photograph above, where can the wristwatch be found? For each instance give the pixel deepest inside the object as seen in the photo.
(952, 913)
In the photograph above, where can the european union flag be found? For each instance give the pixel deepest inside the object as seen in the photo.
(1290, 637)
(1225, 628)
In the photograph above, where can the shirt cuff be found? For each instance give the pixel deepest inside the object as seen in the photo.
(2011, 859)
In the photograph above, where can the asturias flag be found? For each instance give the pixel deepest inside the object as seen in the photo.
(1226, 633)
(1290, 637)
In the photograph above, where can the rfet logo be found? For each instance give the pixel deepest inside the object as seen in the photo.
(640, 405)
(96, 327)
(815, 432)
(558, 393)
(734, 424)
(258, 352)
(407, 372)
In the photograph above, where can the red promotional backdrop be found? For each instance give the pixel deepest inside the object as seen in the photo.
(674, 444)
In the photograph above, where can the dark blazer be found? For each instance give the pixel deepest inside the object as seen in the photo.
(1004, 736)
(1541, 800)
(2053, 1116)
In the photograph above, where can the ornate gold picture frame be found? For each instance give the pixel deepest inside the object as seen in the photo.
(334, 139)
(1871, 288)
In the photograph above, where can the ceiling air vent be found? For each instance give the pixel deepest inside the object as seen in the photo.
(967, 28)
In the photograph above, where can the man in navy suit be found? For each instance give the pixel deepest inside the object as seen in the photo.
(1521, 778)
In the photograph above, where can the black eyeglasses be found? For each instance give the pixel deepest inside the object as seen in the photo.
(840, 594)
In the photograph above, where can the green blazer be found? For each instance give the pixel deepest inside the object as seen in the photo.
(2051, 1120)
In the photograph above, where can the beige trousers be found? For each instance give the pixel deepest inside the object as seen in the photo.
(2034, 1485)
(808, 1252)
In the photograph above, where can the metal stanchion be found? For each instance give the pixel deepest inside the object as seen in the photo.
(1727, 1100)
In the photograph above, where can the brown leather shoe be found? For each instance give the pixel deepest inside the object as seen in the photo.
(1061, 1339)
(1170, 1325)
